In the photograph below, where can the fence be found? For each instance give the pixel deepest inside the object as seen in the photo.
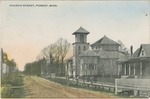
(132, 84)
(122, 85)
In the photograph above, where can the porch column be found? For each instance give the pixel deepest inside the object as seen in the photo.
(129, 69)
(134, 70)
(125, 69)
(118, 70)
(141, 68)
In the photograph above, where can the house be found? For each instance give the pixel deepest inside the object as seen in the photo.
(4, 67)
(102, 59)
(1, 59)
(97, 59)
(138, 64)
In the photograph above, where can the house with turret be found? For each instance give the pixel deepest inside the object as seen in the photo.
(103, 58)
(97, 59)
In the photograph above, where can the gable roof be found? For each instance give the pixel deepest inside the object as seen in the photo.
(81, 31)
(135, 54)
(89, 52)
(112, 54)
(146, 48)
(104, 40)
(106, 54)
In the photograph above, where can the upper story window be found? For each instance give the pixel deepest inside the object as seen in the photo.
(82, 38)
(79, 49)
(142, 52)
(84, 48)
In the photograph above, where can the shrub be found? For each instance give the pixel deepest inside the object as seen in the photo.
(8, 92)
(12, 79)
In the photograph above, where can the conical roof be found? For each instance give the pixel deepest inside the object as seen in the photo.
(81, 31)
(104, 40)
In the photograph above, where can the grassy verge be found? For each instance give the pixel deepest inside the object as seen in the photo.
(9, 92)
(12, 86)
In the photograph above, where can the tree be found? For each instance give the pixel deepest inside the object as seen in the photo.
(50, 60)
(54, 54)
(11, 63)
(122, 48)
(62, 48)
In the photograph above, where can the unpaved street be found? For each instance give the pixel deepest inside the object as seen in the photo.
(42, 88)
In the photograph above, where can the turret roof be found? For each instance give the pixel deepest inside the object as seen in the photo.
(81, 31)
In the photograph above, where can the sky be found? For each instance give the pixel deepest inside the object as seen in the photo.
(25, 30)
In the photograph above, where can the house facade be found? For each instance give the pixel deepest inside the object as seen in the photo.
(102, 63)
(138, 64)
(1, 59)
(79, 47)
(4, 67)
(98, 59)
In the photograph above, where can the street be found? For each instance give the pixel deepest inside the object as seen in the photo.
(36, 87)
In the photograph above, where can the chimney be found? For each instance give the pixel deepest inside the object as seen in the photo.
(131, 48)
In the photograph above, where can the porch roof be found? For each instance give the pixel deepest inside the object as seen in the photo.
(137, 59)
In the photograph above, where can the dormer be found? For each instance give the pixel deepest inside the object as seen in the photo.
(144, 50)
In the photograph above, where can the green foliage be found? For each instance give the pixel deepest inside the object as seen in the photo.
(11, 83)
(34, 68)
(9, 62)
(12, 79)
(9, 92)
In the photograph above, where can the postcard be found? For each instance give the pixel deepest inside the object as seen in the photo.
(75, 49)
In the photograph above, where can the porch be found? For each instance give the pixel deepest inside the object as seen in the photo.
(136, 68)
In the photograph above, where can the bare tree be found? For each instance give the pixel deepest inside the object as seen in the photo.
(62, 48)
(54, 54)
(122, 48)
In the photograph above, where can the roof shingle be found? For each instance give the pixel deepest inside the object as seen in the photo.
(104, 40)
(89, 52)
(146, 48)
(81, 31)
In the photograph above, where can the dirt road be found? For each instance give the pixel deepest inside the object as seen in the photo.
(42, 88)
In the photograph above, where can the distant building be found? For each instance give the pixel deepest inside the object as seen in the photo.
(1, 58)
(2, 64)
(138, 64)
(4, 67)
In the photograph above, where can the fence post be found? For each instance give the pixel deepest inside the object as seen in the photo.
(116, 89)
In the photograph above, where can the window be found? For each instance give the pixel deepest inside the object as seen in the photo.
(94, 66)
(84, 48)
(142, 52)
(79, 49)
(82, 38)
(96, 47)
